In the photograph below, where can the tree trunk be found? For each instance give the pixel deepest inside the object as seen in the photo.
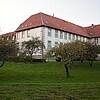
(67, 70)
(81, 60)
(2, 64)
(91, 63)
(31, 58)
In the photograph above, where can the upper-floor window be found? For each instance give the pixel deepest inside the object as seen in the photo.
(49, 44)
(13, 38)
(56, 34)
(8, 38)
(79, 37)
(28, 33)
(49, 32)
(23, 34)
(69, 36)
(18, 35)
(73, 36)
(96, 40)
(76, 37)
(61, 35)
(83, 39)
(65, 36)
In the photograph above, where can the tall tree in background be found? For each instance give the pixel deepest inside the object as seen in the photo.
(8, 50)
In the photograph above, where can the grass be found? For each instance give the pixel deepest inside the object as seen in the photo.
(47, 81)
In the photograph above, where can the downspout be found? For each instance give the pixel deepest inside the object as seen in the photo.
(42, 33)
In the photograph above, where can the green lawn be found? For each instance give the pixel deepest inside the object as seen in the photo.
(47, 81)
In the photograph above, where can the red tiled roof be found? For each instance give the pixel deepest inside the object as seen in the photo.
(32, 21)
(42, 19)
(93, 31)
(8, 34)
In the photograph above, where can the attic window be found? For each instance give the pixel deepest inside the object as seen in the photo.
(57, 25)
(22, 25)
(26, 25)
(30, 23)
(46, 22)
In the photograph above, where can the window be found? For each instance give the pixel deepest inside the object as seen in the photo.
(69, 36)
(28, 33)
(97, 40)
(56, 44)
(8, 38)
(61, 35)
(56, 34)
(76, 37)
(65, 36)
(13, 38)
(23, 34)
(73, 37)
(81, 38)
(49, 32)
(49, 44)
(18, 35)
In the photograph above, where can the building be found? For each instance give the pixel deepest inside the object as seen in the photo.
(53, 31)
(94, 33)
(9, 36)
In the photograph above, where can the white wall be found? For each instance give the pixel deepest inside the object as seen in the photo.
(59, 40)
(36, 32)
(96, 40)
(42, 32)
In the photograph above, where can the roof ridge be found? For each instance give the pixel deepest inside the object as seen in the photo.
(86, 31)
(61, 19)
(42, 22)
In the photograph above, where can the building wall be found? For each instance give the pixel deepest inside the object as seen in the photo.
(27, 35)
(50, 37)
(63, 37)
(99, 40)
(96, 40)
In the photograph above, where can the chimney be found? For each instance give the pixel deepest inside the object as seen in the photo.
(53, 14)
(92, 25)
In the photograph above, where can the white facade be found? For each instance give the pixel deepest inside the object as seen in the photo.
(57, 37)
(50, 37)
(96, 40)
(27, 35)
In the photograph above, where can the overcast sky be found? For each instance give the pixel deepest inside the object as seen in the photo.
(80, 12)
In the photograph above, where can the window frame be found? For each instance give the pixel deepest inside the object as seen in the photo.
(56, 33)
(49, 32)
